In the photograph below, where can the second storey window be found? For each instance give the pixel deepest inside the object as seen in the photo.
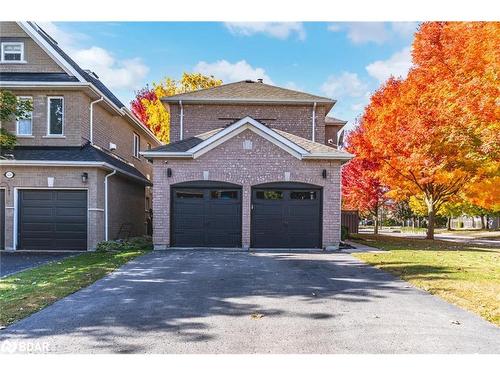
(24, 126)
(55, 115)
(12, 52)
(137, 143)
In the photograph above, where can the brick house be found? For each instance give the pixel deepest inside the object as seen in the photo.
(76, 177)
(250, 166)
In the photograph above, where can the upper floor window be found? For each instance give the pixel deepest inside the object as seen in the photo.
(12, 52)
(24, 126)
(55, 115)
(137, 145)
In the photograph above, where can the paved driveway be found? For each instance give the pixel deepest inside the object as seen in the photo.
(12, 262)
(203, 302)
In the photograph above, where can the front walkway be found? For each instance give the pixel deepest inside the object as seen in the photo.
(263, 302)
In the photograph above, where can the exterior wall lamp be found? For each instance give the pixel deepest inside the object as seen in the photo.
(85, 177)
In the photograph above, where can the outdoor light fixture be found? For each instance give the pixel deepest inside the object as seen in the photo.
(85, 177)
(169, 172)
(323, 173)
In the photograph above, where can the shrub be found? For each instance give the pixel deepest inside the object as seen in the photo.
(344, 233)
(134, 243)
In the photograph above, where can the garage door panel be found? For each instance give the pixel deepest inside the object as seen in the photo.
(206, 217)
(53, 220)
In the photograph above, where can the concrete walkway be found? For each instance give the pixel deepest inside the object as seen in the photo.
(262, 302)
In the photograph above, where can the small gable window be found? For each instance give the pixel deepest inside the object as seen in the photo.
(13, 52)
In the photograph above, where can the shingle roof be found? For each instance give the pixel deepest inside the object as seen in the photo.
(248, 90)
(37, 77)
(188, 143)
(334, 121)
(85, 153)
(81, 71)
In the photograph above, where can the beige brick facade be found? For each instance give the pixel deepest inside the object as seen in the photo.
(294, 119)
(264, 163)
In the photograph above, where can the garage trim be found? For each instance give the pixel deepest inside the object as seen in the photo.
(16, 209)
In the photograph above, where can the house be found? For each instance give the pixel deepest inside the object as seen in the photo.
(249, 166)
(76, 177)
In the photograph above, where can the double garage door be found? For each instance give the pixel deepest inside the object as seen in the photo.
(209, 214)
(52, 220)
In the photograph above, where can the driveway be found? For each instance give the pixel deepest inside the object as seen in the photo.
(12, 262)
(264, 302)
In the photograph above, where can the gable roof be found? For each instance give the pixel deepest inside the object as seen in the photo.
(299, 147)
(74, 75)
(334, 121)
(250, 91)
(86, 154)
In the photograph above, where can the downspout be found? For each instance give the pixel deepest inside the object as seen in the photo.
(314, 123)
(182, 120)
(106, 215)
(92, 118)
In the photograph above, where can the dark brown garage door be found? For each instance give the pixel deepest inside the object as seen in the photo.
(206, 214)
(286, 215)
(52, 220)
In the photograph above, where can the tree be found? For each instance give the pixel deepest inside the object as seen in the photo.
(147, 105)
(361, 189)
(11, 106)
(436, 131)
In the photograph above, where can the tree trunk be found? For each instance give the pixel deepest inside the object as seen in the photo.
(448, 223)
(483, 226)
(375, 226)
(487, 222)
(430, 225)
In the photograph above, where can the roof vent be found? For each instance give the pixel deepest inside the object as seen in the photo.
(91, 73)
(249, 81)
(260, 80)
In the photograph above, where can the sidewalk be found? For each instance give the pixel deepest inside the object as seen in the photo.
(360, 248)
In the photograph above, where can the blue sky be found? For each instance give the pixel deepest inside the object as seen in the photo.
(345, 61)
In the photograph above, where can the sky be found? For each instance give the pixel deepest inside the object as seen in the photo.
(343, 61)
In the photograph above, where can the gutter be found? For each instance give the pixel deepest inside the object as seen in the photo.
(106, 214)
(92, 118)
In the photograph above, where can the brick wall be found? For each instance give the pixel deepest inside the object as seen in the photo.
(37, 61)
(199, 118)
(229, 162)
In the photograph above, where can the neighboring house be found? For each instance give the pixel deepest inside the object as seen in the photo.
(77, 177)
(248, 166)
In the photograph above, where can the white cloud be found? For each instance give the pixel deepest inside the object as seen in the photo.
(363, 32)
(127, 74)
(280, 30)
(404, 28)
(397, 65)
(232, 72)
(346, 84)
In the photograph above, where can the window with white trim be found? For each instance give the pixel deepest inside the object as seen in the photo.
(24, 126)
(12, 52)
(55, 115)
(137, 145)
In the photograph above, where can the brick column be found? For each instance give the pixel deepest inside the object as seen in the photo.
(246, 213)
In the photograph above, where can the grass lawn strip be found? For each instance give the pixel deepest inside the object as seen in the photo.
(465, 275)
(28, 291)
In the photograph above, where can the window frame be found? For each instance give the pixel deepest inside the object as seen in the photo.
(49, 134)
(2, 52)
(136, 147)
(19, 98)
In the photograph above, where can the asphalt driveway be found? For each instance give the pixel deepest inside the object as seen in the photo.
(12, 262)
(266, 302)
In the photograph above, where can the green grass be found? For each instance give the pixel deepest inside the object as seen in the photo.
(29, 291)
(464, 275)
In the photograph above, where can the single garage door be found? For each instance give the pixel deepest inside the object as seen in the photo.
(206, 214)
(286, 215)
(52, 220)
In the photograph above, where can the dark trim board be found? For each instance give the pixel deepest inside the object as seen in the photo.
(286, 222)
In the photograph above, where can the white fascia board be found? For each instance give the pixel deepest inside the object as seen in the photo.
(29, 84)
(231, 131)
(28, 29)
(326, 155)
(54, 163)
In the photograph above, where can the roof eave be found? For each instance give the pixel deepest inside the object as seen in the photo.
(328, 103)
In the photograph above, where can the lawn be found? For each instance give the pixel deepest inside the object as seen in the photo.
(467, 276)
(26, 292)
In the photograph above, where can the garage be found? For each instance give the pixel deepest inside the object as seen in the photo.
(206, 214)
(52, 220)
(286, 215)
